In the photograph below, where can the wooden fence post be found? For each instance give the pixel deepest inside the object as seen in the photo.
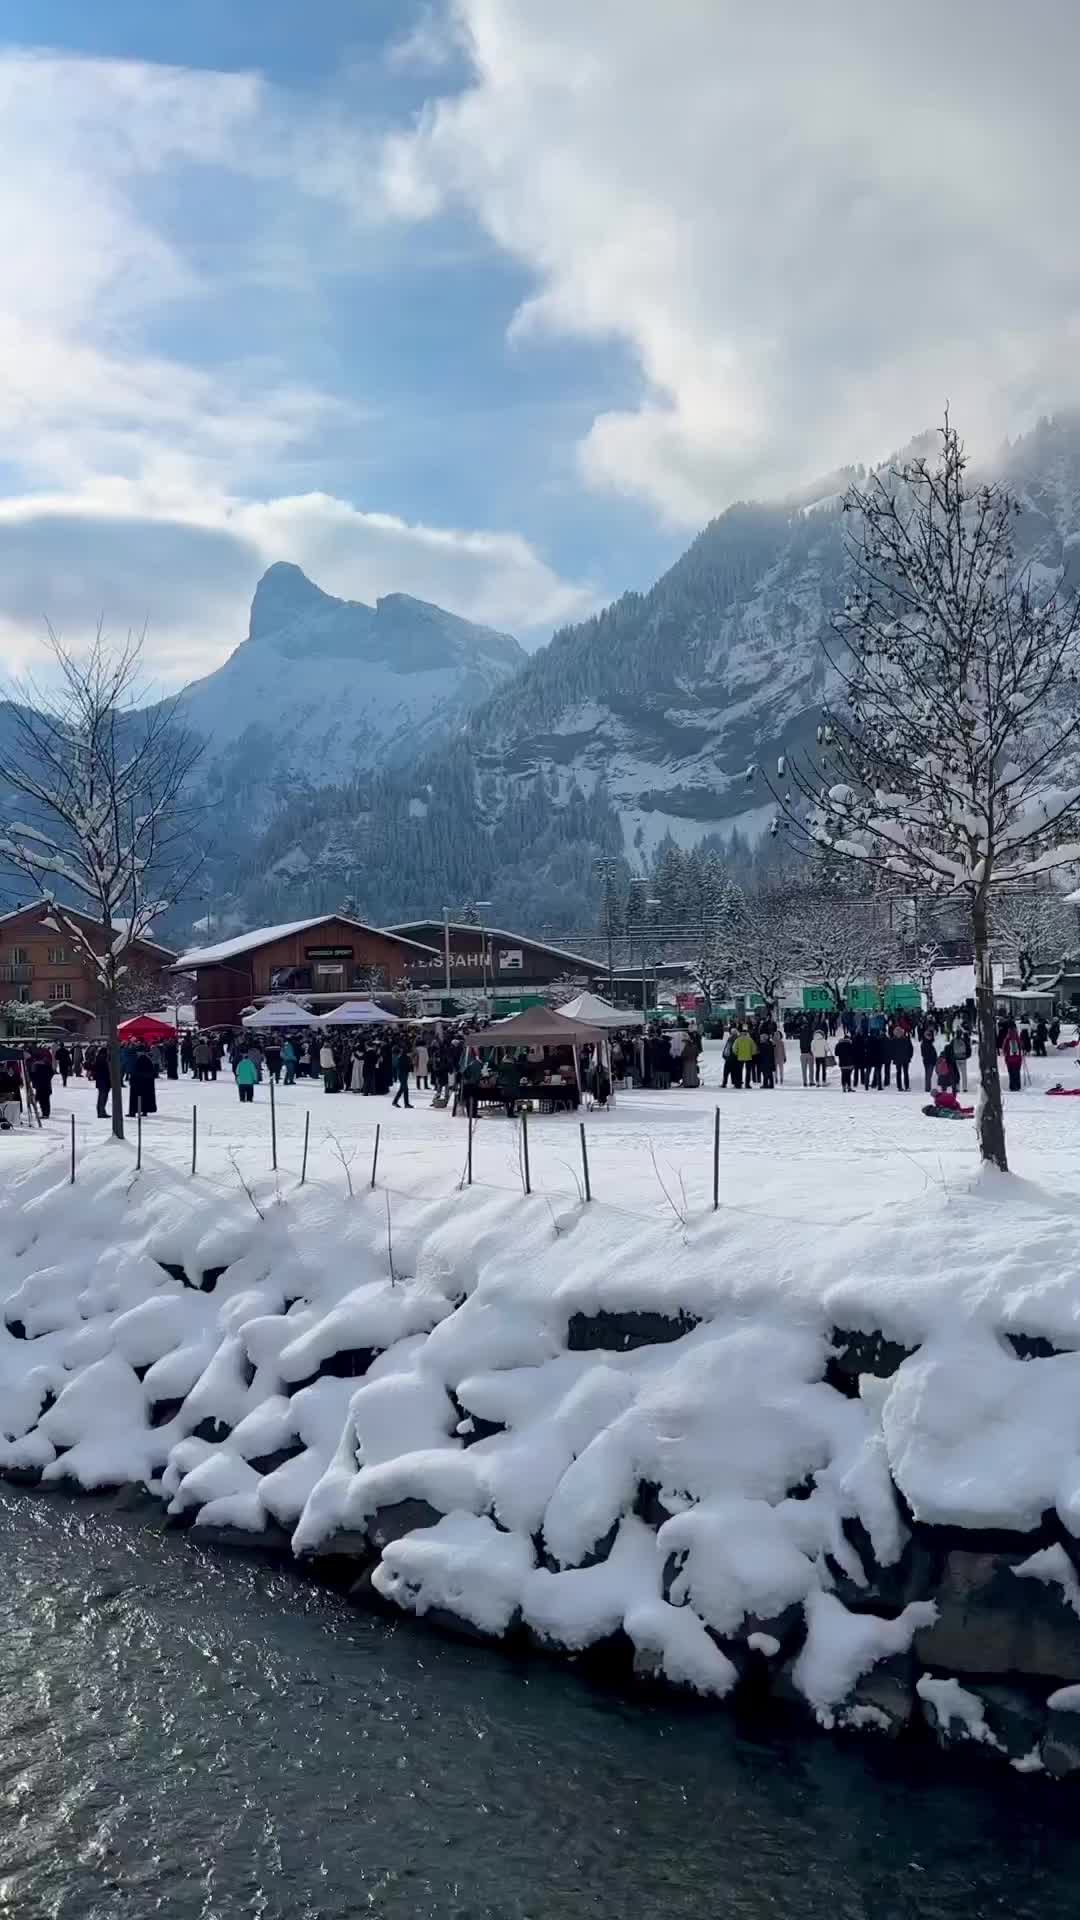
(194, 1139)
(273, 1127)
(375, 1154)
(73, 1149)
(525, 1151)
(303, 1163)
(716, 1162)
(585, 1160)
(470, 1120)
(138, 1140)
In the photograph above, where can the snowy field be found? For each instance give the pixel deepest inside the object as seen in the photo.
(805, 1157)
(576, 1420)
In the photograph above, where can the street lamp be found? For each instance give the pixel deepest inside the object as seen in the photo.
(479, 907)
(648, 904)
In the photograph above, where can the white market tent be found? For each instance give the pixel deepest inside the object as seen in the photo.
(358, 1013)
(594, 1012)
(279, 1013)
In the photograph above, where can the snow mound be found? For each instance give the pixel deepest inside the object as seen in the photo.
(702, 1490)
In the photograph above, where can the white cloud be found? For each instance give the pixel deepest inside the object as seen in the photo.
(186, 569)
(141, 483)
(811, 224)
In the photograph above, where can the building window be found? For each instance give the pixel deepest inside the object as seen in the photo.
(58, 990)
(24, 996)
(58, 956)
(18, 956)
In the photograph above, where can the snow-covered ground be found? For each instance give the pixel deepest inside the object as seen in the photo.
(577, 1419)
(811, 1157)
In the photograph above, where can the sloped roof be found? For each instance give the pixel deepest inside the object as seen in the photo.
(87, 919)
(501, 933)
(265, 936)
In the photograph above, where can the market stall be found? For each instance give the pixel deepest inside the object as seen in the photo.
(360, 1013)
(276, 1015)
(540, 1033)
(145, 1030)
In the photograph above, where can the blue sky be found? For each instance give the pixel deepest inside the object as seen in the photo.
(492, 302)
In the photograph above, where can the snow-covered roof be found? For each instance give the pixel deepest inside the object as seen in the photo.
(500, 933)
(88, 920)
(264, 936)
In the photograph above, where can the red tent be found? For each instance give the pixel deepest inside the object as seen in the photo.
(144, 1030)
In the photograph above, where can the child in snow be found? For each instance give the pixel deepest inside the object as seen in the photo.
(947, 1107)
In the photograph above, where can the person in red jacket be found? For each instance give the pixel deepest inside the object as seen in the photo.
(1013, 1055)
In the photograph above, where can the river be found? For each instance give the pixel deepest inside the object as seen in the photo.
(188, 1732)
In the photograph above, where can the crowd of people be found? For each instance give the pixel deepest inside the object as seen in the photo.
(874, 1051)
(870, 1052)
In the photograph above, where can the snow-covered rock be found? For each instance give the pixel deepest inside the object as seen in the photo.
(708, 1503)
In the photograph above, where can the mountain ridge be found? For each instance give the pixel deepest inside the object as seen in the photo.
(638, 726)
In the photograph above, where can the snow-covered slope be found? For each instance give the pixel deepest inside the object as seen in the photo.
(667, 697)
(323, 689)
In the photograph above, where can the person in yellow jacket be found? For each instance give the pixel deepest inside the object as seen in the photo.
(743, 1050)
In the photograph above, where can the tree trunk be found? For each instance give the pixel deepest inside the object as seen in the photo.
(989, 1118)
(112, 1021)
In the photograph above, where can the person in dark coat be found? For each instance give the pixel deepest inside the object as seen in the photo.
(928, 1049)
(187, 1054)
(172, 1060)
(902, 1051)
(1040, 1039)
(273, 1059)
(63, 1063)
(142, 1096)
(41, 1079)
(10, 1095)
(845, 1060)
(102, 1081)
(402, 1069)
(875, 1053)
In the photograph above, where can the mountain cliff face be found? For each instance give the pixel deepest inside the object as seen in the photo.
(636, 726)
(323, 688)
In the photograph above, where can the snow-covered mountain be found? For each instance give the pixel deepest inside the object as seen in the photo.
(323, 689)
(638, 724)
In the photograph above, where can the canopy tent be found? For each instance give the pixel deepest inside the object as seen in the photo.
(537, 1026)
(279, 1013)
(540, 1027)
(144, 1029)
(594, 1012)
(360, 1013)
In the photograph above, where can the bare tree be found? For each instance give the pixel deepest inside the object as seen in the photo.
(948, 761)
(842, 943)
(109, 838)
(1032, 927)
(565, 987)
(765, 940)
(711, 970)
(925, 960)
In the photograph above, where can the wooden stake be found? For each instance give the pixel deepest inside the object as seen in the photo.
(585, 1160)
(525, 1151)
(303, 1163)
(73, 1149)
(273, 1127)
(716, 1162)
(375, 1155)
(470, 1119)
(138, 1141)
(194, 1139)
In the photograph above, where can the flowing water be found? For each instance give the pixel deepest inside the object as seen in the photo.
(190, 1733)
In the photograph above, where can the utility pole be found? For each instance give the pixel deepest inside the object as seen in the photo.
(606, 867)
